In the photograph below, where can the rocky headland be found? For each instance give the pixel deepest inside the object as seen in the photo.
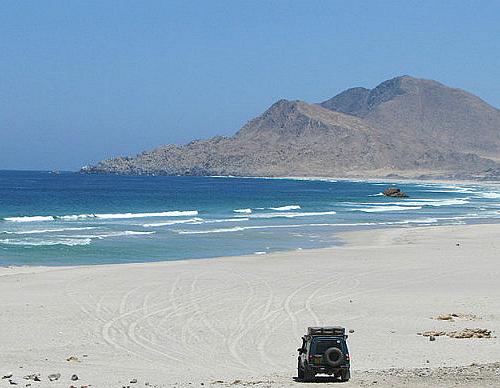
(404, 128)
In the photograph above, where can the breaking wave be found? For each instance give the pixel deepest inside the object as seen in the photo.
(380, 209)
(286, 208)
(77, 217)
(110, 234)
(489, 195)
(29, 218)
(417, 221)
(71, 242)
(242, 219)
(245, 211)
(292, 215)
(174, 222)
(413, 204)
(195, 221)
(438, 202)
(41, 231)
(260, 227)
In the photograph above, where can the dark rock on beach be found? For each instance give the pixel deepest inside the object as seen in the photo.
(54, 376)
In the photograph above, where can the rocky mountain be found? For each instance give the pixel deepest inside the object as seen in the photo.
(412, 108)
(404, 127)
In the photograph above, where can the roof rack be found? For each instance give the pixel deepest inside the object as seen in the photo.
(326, 330)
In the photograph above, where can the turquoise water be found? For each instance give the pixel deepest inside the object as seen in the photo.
(70, 219)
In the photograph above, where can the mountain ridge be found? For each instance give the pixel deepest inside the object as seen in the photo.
(405, 126)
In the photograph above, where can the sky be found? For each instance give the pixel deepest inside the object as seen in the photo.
(81, 81)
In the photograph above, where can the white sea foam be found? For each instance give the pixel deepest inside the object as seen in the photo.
(380, 209)
(292, 215)
(125, 233)
(77, 217)
(489, 195)
(449, 189)
(417, 221)
(194, 221)
(217, 221)
(174, 213)
(285, 208)
(376, 195)
(110, 234)
(41, 231)
(29, 219)
(245, 211)
(438, 202)
(421, 202)
(262, 227)
(38, 242)
(208, 231)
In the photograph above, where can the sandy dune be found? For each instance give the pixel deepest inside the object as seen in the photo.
(220, 320)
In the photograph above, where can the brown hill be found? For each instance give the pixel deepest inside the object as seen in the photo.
(404, 126)
(411, 108)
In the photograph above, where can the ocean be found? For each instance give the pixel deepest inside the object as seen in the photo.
(75, 219)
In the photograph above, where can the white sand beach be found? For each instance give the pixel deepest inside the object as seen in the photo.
(238, 320)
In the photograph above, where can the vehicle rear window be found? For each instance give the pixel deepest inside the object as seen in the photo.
(323, 344)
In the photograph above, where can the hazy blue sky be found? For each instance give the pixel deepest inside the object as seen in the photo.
(83, 80)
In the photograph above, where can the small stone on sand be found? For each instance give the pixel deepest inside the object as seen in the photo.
(54, 376)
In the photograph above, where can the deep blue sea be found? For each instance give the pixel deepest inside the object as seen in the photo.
(72, 219)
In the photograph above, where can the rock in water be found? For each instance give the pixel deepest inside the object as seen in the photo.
(395, 192)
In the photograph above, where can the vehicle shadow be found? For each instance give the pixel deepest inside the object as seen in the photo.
(319, 380)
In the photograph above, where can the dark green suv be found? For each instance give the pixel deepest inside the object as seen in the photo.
(324, 350)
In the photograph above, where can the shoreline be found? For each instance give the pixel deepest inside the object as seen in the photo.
(362, 179)
(150, 320)
(378, 179)
(344, 239)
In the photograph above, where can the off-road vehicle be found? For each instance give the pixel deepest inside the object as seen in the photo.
(324, 350)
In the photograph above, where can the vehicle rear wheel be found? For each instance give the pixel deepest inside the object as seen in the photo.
(345, 375)
(308, 375)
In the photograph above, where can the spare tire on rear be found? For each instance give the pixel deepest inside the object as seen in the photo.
(333, 357)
